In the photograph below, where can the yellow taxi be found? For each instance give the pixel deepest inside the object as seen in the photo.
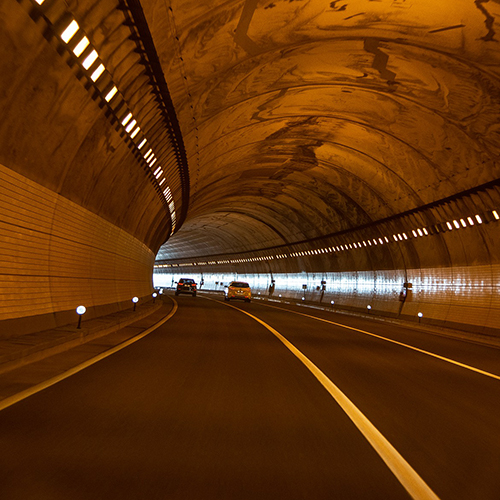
(238, 290)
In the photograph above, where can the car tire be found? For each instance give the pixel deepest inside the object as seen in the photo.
(176, 293)
(194, 294)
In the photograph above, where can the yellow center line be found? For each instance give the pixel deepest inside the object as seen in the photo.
(5, 403)
(406, 475)
(428, 353)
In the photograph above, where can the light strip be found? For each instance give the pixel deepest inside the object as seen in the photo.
(130, 124)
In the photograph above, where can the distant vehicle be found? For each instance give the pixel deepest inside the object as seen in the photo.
(238, 290)
(186, 285)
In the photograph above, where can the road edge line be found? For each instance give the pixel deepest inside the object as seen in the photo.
(408, 346)
(16, 398)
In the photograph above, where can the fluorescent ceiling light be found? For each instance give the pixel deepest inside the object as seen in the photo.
(97, 73)
(89, 60)
(111, 94)
(82, 45)
(126, 119)
(70, 31)
(131, 125)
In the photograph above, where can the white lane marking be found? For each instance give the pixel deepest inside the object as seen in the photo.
(5, 403)
(437, 356)
(406, 475)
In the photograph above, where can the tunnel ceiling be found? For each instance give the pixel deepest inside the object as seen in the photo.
(303, 118)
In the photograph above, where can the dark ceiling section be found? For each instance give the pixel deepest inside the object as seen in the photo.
(303, 119)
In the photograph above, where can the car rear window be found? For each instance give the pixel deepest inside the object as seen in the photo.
(187, 281)
(240, 284)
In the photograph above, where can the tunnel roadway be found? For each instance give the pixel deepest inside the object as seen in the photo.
(214, 405)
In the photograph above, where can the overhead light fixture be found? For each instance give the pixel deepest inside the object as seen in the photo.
(130, 126)
(111, 94)
(70, 31)
(126, 119)
(97, 73)
(81, 46)
(90, 59)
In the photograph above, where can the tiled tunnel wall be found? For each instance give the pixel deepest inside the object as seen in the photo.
(56, 255)
(462, 297)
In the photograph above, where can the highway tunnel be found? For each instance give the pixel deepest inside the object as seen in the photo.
(340, 152)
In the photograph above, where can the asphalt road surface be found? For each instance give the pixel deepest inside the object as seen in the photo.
(217, 405)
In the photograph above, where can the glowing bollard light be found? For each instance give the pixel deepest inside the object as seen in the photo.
(154, 297)
(135, 300)
(369, 307)
(420, 316)
(80, 310)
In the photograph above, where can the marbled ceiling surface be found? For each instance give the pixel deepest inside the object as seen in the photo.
(306, 117)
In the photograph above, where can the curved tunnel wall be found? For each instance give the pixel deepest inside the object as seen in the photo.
(305, 130)
(56, 255)
(398, 274)
(464, 298)
(91, 178)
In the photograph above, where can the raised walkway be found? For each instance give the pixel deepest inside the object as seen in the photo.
(31, 359)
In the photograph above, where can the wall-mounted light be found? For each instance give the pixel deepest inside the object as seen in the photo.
(80, 310)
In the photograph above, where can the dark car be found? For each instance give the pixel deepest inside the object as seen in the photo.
(186, 285)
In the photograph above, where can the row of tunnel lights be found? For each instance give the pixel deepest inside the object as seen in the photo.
(81, 310)
(89, 60)
(417, 233)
